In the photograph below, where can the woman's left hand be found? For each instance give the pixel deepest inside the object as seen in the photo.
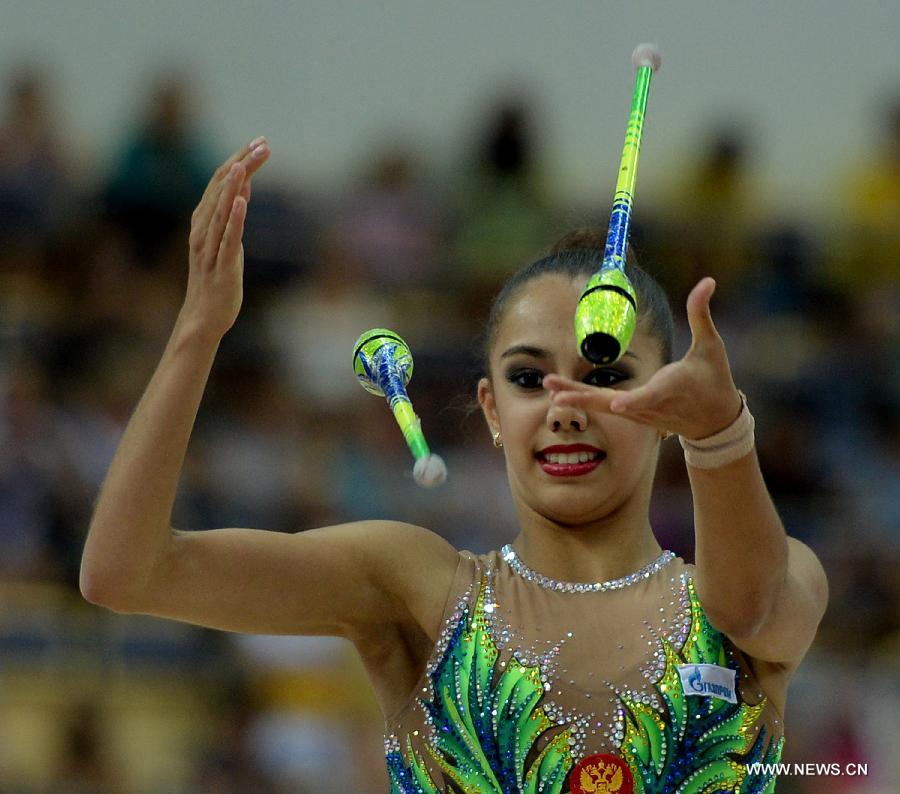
(694, 397)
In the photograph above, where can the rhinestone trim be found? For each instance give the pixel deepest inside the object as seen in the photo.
(512, 559)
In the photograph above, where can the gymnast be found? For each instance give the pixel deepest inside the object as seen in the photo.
(581, 657)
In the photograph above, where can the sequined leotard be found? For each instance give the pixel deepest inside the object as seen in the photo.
(537, 685)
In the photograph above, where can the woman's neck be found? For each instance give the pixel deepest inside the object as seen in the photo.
(606, 549)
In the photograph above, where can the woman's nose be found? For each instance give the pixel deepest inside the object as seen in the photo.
(566, 417)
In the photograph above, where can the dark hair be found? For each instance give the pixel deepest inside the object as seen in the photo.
(580, 253)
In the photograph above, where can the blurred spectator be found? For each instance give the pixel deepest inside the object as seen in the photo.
(29, 468)
(786, 276)
(506, 214)
(314, 725)
(280, 242)
(313, 326)
(86, 767)
(391, 223)
(33, 177)
(230, 764)
(254, 463)
(160, 173)
(710, 218)
(868, 207)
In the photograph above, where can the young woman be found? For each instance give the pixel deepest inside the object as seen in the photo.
(579, 658)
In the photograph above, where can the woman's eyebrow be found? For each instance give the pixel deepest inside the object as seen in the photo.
(539, 352)
(526, 350)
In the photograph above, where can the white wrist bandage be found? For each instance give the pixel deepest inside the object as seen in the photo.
(724, 447)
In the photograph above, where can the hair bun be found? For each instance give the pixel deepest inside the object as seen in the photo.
(589, 238)
(585, 237)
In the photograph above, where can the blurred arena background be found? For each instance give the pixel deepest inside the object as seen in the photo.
(421, 153)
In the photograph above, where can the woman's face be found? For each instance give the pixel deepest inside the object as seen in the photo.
(570, 466)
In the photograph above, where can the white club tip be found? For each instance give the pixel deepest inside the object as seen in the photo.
(646, 55)
(430, 471)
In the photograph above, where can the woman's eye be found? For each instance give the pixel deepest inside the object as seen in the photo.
(605, 377)
(526, 378)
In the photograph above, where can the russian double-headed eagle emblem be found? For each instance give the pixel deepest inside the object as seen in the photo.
(601, 774)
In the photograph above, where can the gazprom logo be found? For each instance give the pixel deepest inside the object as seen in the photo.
(708, 679)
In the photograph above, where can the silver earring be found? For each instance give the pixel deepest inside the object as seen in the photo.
(498, 441)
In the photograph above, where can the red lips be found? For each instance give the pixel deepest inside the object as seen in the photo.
(564, 462)
(566, 448)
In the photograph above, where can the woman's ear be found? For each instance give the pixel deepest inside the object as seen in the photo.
(488, 405)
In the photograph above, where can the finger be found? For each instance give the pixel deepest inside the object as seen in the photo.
(567, 392)
(220, 218)
(221, 173)
(560, 383)
(634, 402)
(211, 195)
(594, 398)
(245, 190)
(653, 396)
(256, 158)
(698, 311)
(234, 230)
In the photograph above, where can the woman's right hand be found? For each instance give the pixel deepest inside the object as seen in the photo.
(215, 277)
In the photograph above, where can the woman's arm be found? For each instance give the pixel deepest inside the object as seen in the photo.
(129, 530)
(764, 590)
(323, 581)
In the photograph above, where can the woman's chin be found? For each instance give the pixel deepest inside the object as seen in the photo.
(573, 512)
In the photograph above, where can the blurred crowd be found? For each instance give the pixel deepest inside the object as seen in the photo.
(92, 272)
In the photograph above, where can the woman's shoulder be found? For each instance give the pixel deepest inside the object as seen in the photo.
(417, 566)
(408, 549)
(400, 551)
(453, 584)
